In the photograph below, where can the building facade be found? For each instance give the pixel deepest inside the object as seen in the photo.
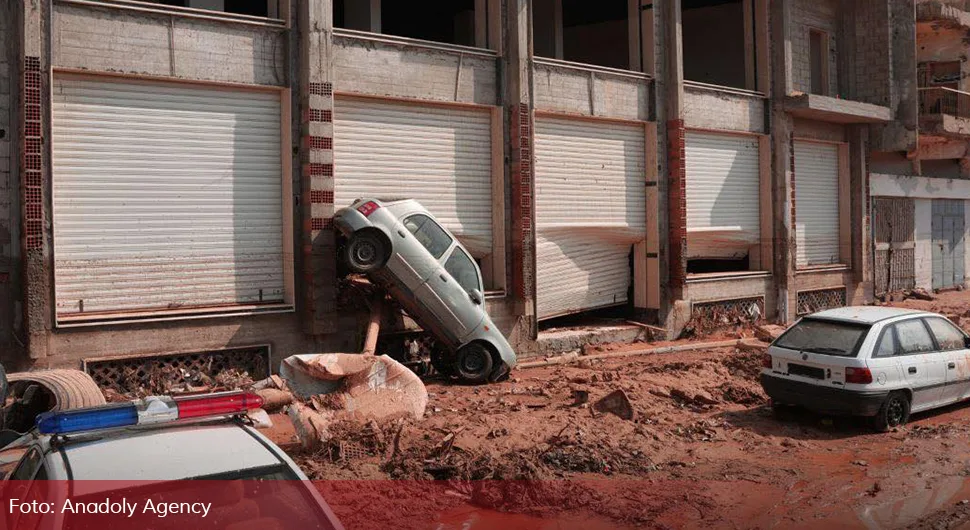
(169, 170)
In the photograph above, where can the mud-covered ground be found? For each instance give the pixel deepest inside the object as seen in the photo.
(703, 450)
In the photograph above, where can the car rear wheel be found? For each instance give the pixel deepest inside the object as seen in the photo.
(893, 413)
(474, 363)
(364, 252)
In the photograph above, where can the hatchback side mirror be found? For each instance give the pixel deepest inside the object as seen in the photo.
(966, 342)
(476, 296)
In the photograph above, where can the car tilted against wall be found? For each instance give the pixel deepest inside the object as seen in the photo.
(401, 246)
(879, 362)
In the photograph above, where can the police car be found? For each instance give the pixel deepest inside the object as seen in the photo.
(94, 467)
(879, 362)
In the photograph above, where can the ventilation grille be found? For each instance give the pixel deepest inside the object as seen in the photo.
(729, 310)
(813, 301)
(133, 372)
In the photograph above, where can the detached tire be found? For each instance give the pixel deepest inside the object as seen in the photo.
(365, 252)
(893, 413)
(474, 363)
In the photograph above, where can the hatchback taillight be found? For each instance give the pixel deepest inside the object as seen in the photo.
(368, 208)
(861, 376)
(766, 361)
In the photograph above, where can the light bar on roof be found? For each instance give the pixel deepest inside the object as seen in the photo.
(147, 411)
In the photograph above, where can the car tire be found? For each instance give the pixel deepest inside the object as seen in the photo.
(780, 411)
(473, 364)
(894, 412)
(364, 252)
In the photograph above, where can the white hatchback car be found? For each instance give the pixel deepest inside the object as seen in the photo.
(879, 362)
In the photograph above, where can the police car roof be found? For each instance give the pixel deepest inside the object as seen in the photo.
(168, 453)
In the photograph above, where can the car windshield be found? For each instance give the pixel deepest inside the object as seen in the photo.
(274, 495)
(824, 336)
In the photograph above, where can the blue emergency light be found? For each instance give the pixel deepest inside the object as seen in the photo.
(150, 410)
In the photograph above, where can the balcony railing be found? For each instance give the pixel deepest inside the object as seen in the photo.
(939, 100)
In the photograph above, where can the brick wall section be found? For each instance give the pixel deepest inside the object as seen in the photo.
(677, 202)
(873, 72)
(522, 172)
(794, 203)
(317, 176)
(814, 14)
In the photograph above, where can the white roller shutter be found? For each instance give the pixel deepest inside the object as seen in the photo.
(723, 195)
(166, 196)
(590, 209)
(440, 156)
(816, 203)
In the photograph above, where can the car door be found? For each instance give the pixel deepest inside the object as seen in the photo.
(921, 364)
(454, 284)
(418, 250)
(951, 342)
(20, 485)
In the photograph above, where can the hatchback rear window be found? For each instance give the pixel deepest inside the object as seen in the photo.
(824, 336)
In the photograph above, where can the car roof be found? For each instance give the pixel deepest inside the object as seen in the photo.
(866, 314)
(169, 453)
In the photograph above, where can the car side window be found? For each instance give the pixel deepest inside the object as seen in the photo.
(887, 343)
(948, 336)
(914, 337)
(429, 234)
(462, 269)
(28, 466)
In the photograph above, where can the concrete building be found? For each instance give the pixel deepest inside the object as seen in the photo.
(169, 169)
(920, 193)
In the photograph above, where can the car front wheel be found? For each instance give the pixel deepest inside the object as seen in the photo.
(893, 413)
(364, 252)
(474, 363)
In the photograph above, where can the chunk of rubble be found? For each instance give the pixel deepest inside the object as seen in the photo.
(344, 386)
(768, 332)
(274, 399)
(616, 402)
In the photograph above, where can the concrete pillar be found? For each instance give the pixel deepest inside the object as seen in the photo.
(11, 311)
(675, 137)
(519, 112)
(316, 169)
(782, 163)
(34, 129)
(860, 200)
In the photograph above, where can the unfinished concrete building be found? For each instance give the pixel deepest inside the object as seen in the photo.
(919, 194)
(174, 165)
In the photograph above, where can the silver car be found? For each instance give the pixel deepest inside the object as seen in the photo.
(401, 246)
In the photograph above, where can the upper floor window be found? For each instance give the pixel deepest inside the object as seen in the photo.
(461, 22)
(818, 47)
(597, 33)
(255, 8)
(718, 43)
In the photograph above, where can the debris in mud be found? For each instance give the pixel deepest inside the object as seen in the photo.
(931, 431)
(860, 463)
(768, 332)
(741, 395)
(616, 402)
(920, 294)
(699, 398)
(274, 399)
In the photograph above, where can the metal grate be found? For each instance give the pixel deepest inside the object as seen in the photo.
(747, 308)
(117, 373)
(813, 301)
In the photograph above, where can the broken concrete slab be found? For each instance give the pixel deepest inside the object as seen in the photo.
(312, 427)
(616, 402)
(359, 386)
(768, 332)
(754, 345)
(274, 399)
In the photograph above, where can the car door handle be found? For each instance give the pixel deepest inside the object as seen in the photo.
(951, 365)
(912, 369)
(444, 277)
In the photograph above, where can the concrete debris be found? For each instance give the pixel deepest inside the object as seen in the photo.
(274, 399)
(699, 397)
(580, 396)
(755, 345)
(355, 386)
(273, 381)
(920, 294)
(260, 419)
(616, 402)
(768, 332)
(312, 427)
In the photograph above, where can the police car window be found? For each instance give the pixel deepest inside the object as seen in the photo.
(947, 335)
(913, 337)
(27, 466)
(429, 234)
(462, 269)
(887, 343)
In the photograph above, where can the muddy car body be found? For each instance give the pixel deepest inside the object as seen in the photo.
(879, 362)
(401, 246)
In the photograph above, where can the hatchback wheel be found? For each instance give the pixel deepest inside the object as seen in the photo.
(474, 363)
(893, 413)
(364, 252)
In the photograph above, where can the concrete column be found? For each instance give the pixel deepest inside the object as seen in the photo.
(860, 200)
(782, 163)
(901, 133)
(677, 171)
(519, 112)
(316, 169)
(10, 283)
(34, 129)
